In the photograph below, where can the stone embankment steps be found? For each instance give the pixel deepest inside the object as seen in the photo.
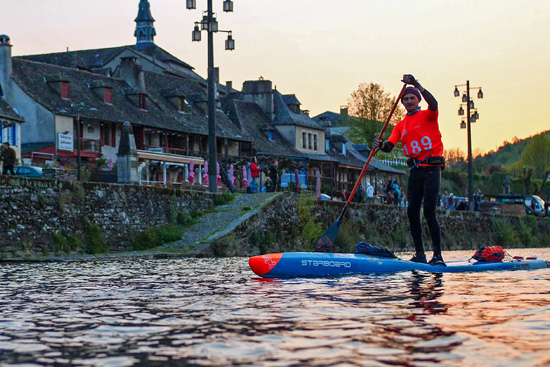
(216, 224)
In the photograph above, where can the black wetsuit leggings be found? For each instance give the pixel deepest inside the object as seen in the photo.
(424, 183)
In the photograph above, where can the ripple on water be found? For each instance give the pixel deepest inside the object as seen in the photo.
(215, 312)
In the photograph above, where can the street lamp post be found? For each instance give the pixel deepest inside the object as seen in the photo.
(210, 24)
(468, 125)
(78, 140)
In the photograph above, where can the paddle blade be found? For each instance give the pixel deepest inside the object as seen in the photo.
(326, 242)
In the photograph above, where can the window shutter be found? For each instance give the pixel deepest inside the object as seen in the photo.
(143, 101)
(65, 90)
(15, 142)
(108, 95)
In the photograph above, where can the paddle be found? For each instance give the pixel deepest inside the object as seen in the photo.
(326, 241)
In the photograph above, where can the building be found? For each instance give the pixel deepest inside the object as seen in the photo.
(76, 102)
(86, 96)
(353, 157)
(10, 120)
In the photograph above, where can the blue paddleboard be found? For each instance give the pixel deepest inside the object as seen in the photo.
(318, 264)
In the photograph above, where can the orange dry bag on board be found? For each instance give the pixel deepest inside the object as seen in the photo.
(489, 254)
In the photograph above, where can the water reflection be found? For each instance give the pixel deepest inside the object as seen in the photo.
(426, 289)
(215, 312)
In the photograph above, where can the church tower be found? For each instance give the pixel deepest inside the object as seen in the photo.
(145, 31)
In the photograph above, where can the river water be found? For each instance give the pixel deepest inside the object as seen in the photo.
(216, 312)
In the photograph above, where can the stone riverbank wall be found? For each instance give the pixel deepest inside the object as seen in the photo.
(45, 217)
(293, 224)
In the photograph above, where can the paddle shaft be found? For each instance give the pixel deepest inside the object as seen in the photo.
(372, 152)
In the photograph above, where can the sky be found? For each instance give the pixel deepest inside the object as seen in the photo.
(322, 50)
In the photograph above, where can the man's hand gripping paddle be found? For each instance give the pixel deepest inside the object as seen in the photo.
(326, 242)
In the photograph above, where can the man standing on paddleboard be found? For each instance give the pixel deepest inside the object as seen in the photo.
(421, 139)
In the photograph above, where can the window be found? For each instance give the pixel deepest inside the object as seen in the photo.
(304, 140)
(108, 95)
(270, 135)
(64, 90)
(181, 104)
(309, 145)
(106, 134)
(315, 142)
(9, 134)
(142, 102)
(113, 135)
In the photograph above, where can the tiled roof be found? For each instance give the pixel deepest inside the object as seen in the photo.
(284, 116)
(8, 113)
(336, 119)
(97, 58)
(243, 121)
(291, 99)
(252, 120)
(160, 112)
(321, 157)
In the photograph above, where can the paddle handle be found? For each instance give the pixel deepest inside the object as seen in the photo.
(372, 152)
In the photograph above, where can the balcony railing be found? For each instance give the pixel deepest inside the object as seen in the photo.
(170, 150)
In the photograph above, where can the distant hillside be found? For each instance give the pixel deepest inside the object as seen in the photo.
(508, 153)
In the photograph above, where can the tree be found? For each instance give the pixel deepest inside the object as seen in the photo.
(369, 107)
(454, 156)
(536, 157)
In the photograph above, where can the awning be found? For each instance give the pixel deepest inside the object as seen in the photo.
(166, 157)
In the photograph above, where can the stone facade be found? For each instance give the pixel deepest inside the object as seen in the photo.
(277, 229)
(32, 211)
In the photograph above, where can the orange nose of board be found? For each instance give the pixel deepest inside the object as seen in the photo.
(264, 263)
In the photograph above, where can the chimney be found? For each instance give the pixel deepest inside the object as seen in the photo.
(132, 73)
(261, 92)
(343, 111)
(229, 85)
(6, 68)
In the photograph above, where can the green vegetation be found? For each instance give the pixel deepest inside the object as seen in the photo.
(348, 236)
(41, 201)
(158, 236)
(64, 200)
(527, 225)
(369, 107)
(223, 198)
(312, 230)
(97, 243)
(504, 232)
(154, 237)
(526, 162)
(73, 241)
(221, 247)
(188, 219)
(66, 244)
(401, 234)
(263, 240)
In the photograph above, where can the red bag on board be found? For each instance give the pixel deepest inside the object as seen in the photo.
(489, 254)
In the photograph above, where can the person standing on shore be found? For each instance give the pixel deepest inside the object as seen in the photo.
(370, 191)
(254, 174)
(8, 157)
(421, 139)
